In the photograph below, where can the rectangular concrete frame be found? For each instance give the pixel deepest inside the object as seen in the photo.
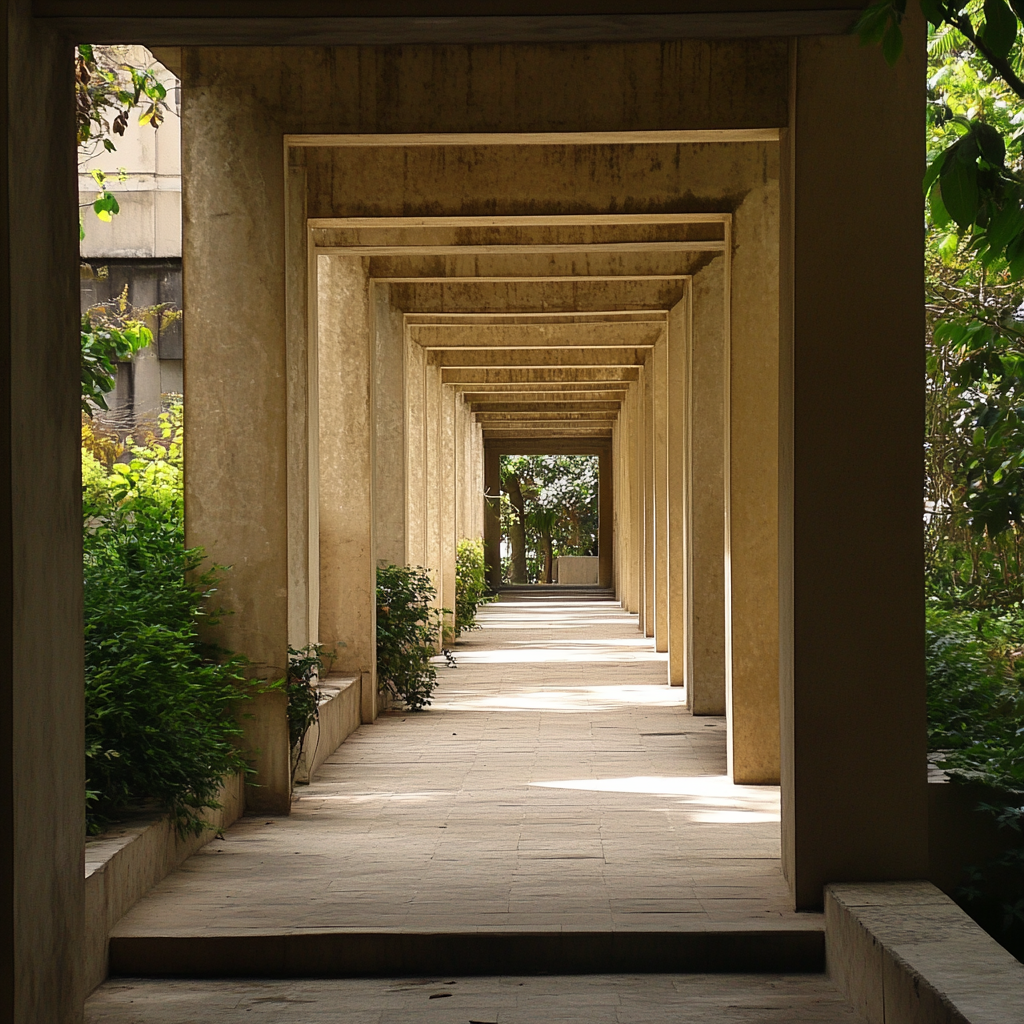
(710, 506)
(320, 224)
(43, 910)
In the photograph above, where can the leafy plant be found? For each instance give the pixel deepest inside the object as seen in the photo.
(103, 347)
(976, 732)
(161, 704)
(471, 588)
(107, 89)
(408, 628)
(113, 332)
(306, 666)
(549, 507)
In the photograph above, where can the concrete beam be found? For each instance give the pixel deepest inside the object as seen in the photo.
(542, 358)
(572, 376)
(543, 406)
(442, 337)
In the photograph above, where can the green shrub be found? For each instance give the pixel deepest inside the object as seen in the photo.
(471, 588)
(976, 727)
(408, 626)
(305, 668)
(975, 699)
(161, 706)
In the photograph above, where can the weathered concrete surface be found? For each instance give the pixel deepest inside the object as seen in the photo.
(389, 393)
(124, 863)
(753, 501)
(903, 952)
(265, 741)
(852, 656)
(348, 587)
(340, 716)
(709, 365)
(577, 569)
(609, 999)
(41, 692)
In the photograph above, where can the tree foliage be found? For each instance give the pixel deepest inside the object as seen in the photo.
(471, 588)
(408, 628)
(553, 501)
(160, 703)
(108, 89)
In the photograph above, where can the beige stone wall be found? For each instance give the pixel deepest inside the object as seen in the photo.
(346, 466)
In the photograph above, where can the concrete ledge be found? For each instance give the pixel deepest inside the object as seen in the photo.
(339, 718)
(397, 952)
(905, 953)
(123, 864)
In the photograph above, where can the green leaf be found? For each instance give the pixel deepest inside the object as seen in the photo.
(990, 144)
(940, 215)
(870, 27)
(1006, 223)
(1000, 29)
(934, 170)
(892, 44)
(933, 11)
(959, 184)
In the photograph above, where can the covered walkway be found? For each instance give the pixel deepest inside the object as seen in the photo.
(555, 785)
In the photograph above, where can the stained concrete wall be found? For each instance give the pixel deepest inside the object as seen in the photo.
(41, 691)
(852, 657)
(389, 428)
(348, 588)
(753, 495)
(709, 366)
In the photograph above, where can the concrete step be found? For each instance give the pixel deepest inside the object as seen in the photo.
(747, 947)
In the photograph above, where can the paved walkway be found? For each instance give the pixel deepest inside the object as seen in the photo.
(556, 782)
(611, 999)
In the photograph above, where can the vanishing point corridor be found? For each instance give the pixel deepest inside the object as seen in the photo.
(556, 785)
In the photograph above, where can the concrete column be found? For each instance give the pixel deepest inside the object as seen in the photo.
(434, 459)
(648, 460)
(854, 804)
(348, 588)
(42, 912)
(634, 457)
(492, 517)
(680, 598)
(625, 499)
(236, 414)
(616, 520)
(479, 484)
(753, 690)
(415, 454)
(447, 489)
(709, 366)
(389, 431)
(606, 517)
(659, 475)
(146, 384)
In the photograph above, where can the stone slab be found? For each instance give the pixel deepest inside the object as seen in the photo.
(905, 953)
(455, 999)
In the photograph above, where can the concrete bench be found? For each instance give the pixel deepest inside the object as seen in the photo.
(905, 953)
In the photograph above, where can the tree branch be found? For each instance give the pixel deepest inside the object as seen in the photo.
(962, 22)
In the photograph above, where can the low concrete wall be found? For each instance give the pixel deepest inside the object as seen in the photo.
(339, 717)
(578, 570)
(905, 953)
(122, 865)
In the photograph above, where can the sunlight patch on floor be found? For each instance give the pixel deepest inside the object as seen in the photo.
(568, 699)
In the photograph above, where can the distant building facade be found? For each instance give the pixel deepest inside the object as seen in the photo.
(139, 248)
